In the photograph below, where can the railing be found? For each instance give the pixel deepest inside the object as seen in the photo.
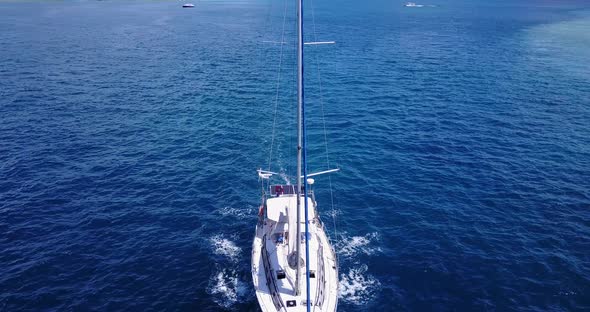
(284, 190)
(287, 189)
(321, 276)
(270, 281)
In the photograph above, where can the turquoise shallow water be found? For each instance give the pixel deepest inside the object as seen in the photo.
(130, 133)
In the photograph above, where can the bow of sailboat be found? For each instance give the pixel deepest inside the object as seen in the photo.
(274, 269)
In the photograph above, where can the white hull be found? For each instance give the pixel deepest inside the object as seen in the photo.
(270, 251)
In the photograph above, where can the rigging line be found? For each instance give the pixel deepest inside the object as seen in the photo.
(267, 21)
(320, 87)
(264, 57)
(293, 108)
(291, 122)
(315, 38)
(267, 25)
(274, 121)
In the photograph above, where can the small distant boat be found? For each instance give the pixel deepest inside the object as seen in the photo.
(413, 5)
(188, 5)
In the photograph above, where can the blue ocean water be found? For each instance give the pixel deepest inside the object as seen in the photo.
(130, 132)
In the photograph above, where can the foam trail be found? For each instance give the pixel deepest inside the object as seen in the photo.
(238, 213)
(226, 288)
(225, 247)
(357, 287)
(355, 245)
(285, 177)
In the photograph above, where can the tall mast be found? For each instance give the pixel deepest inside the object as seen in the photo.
(301, 161)
(304, 152)
(299, 131)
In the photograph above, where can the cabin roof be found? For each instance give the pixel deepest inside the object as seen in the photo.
(279, 208)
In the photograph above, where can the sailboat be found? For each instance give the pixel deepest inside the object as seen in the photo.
(294, 266)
